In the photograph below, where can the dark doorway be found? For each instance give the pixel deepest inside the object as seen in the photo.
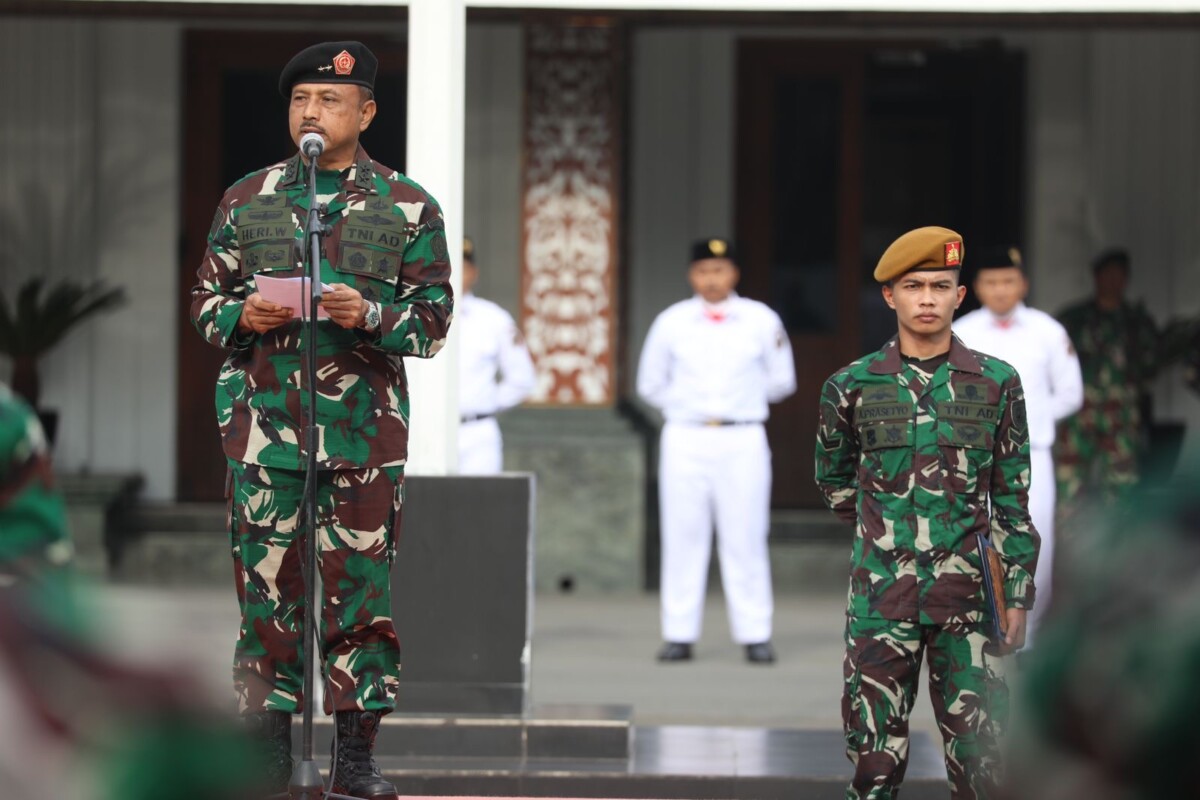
(235, 122)
(841, 148)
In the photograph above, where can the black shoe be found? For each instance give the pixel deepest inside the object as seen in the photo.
(675, 651)
(271, 734)
(760, 653)
(354, 770)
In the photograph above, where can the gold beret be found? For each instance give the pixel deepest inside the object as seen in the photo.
(930, 248)
(468, 248)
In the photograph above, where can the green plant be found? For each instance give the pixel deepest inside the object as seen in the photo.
(35, 322)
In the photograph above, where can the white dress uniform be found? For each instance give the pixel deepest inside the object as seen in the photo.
(495, 374)
(1039, 348)
(712, 370)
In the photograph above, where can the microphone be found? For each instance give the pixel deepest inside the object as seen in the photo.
(312, 145)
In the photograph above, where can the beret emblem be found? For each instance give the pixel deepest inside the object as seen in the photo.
(343, 63)
(716, 247)
(953, 254)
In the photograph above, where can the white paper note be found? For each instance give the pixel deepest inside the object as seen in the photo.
(290, 293)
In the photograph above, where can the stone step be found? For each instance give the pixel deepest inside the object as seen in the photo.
(547, 732)
(175, 558)
(804, 525)
(183, 517)
(684, 762)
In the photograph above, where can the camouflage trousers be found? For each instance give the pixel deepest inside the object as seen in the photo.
(966, 685)
(1093, 465)
(358, 518)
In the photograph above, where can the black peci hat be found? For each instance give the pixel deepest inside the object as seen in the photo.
(330, 62)
(996, 256)
(712, 248)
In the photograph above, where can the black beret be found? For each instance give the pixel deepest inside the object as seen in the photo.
(330, 62)
(469, 248)
(1113, 255)
(996, 256)
(713, 248)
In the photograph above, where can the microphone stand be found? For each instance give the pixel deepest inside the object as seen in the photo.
(306, 782)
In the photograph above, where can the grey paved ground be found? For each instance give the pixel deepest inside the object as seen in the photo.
(586, 649)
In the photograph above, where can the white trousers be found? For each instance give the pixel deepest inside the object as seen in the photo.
(1042, 494)
(718, 474)
(480, 448)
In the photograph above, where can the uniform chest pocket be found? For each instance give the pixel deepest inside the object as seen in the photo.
(969, 425)
(372, 245)
(966, 438)
(882, 435)
(886, 437)
(266, 236)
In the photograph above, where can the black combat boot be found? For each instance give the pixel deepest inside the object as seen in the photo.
(271, 732)
(354, 770)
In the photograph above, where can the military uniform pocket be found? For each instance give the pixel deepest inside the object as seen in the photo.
(266, 235)
(381, 265)
(967, 437)
(854, 726)
(887, 454)
(397, 517)
(372, 244)
(271, 256)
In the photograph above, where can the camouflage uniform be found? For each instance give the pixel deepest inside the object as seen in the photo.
(387, 241)
(34, 532)
(133, 730)
(914, 459)
(1097, 449)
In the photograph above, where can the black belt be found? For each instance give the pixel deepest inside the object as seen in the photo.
(716, 423)
(474, 417)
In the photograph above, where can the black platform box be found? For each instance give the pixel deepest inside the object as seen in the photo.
(462, 594)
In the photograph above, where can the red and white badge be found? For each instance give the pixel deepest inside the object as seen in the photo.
(343, 63)
(953, 254)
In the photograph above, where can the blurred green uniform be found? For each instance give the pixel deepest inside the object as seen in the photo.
(1097, 450)
(34, 525)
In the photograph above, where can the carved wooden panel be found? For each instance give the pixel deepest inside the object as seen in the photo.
(569, 219)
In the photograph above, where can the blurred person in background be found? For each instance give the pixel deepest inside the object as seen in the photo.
(79, 723)
(1039, 348)
(1110, 700)
(712, 364)
(495, 373)
(1096, 453)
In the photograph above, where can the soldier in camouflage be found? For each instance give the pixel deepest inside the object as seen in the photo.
(34, 534)
(922, 446)
(387, 262)
(1110, 701)
(1097, 449)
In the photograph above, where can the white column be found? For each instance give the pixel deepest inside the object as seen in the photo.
(436, 116)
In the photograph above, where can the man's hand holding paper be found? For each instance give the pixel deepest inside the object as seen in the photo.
(287, 294)
(345, 305)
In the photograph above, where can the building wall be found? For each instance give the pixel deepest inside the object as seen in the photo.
(492, 210)
(90, 161)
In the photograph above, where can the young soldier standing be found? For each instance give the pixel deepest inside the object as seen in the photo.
(923, 445)
(1039, 348)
